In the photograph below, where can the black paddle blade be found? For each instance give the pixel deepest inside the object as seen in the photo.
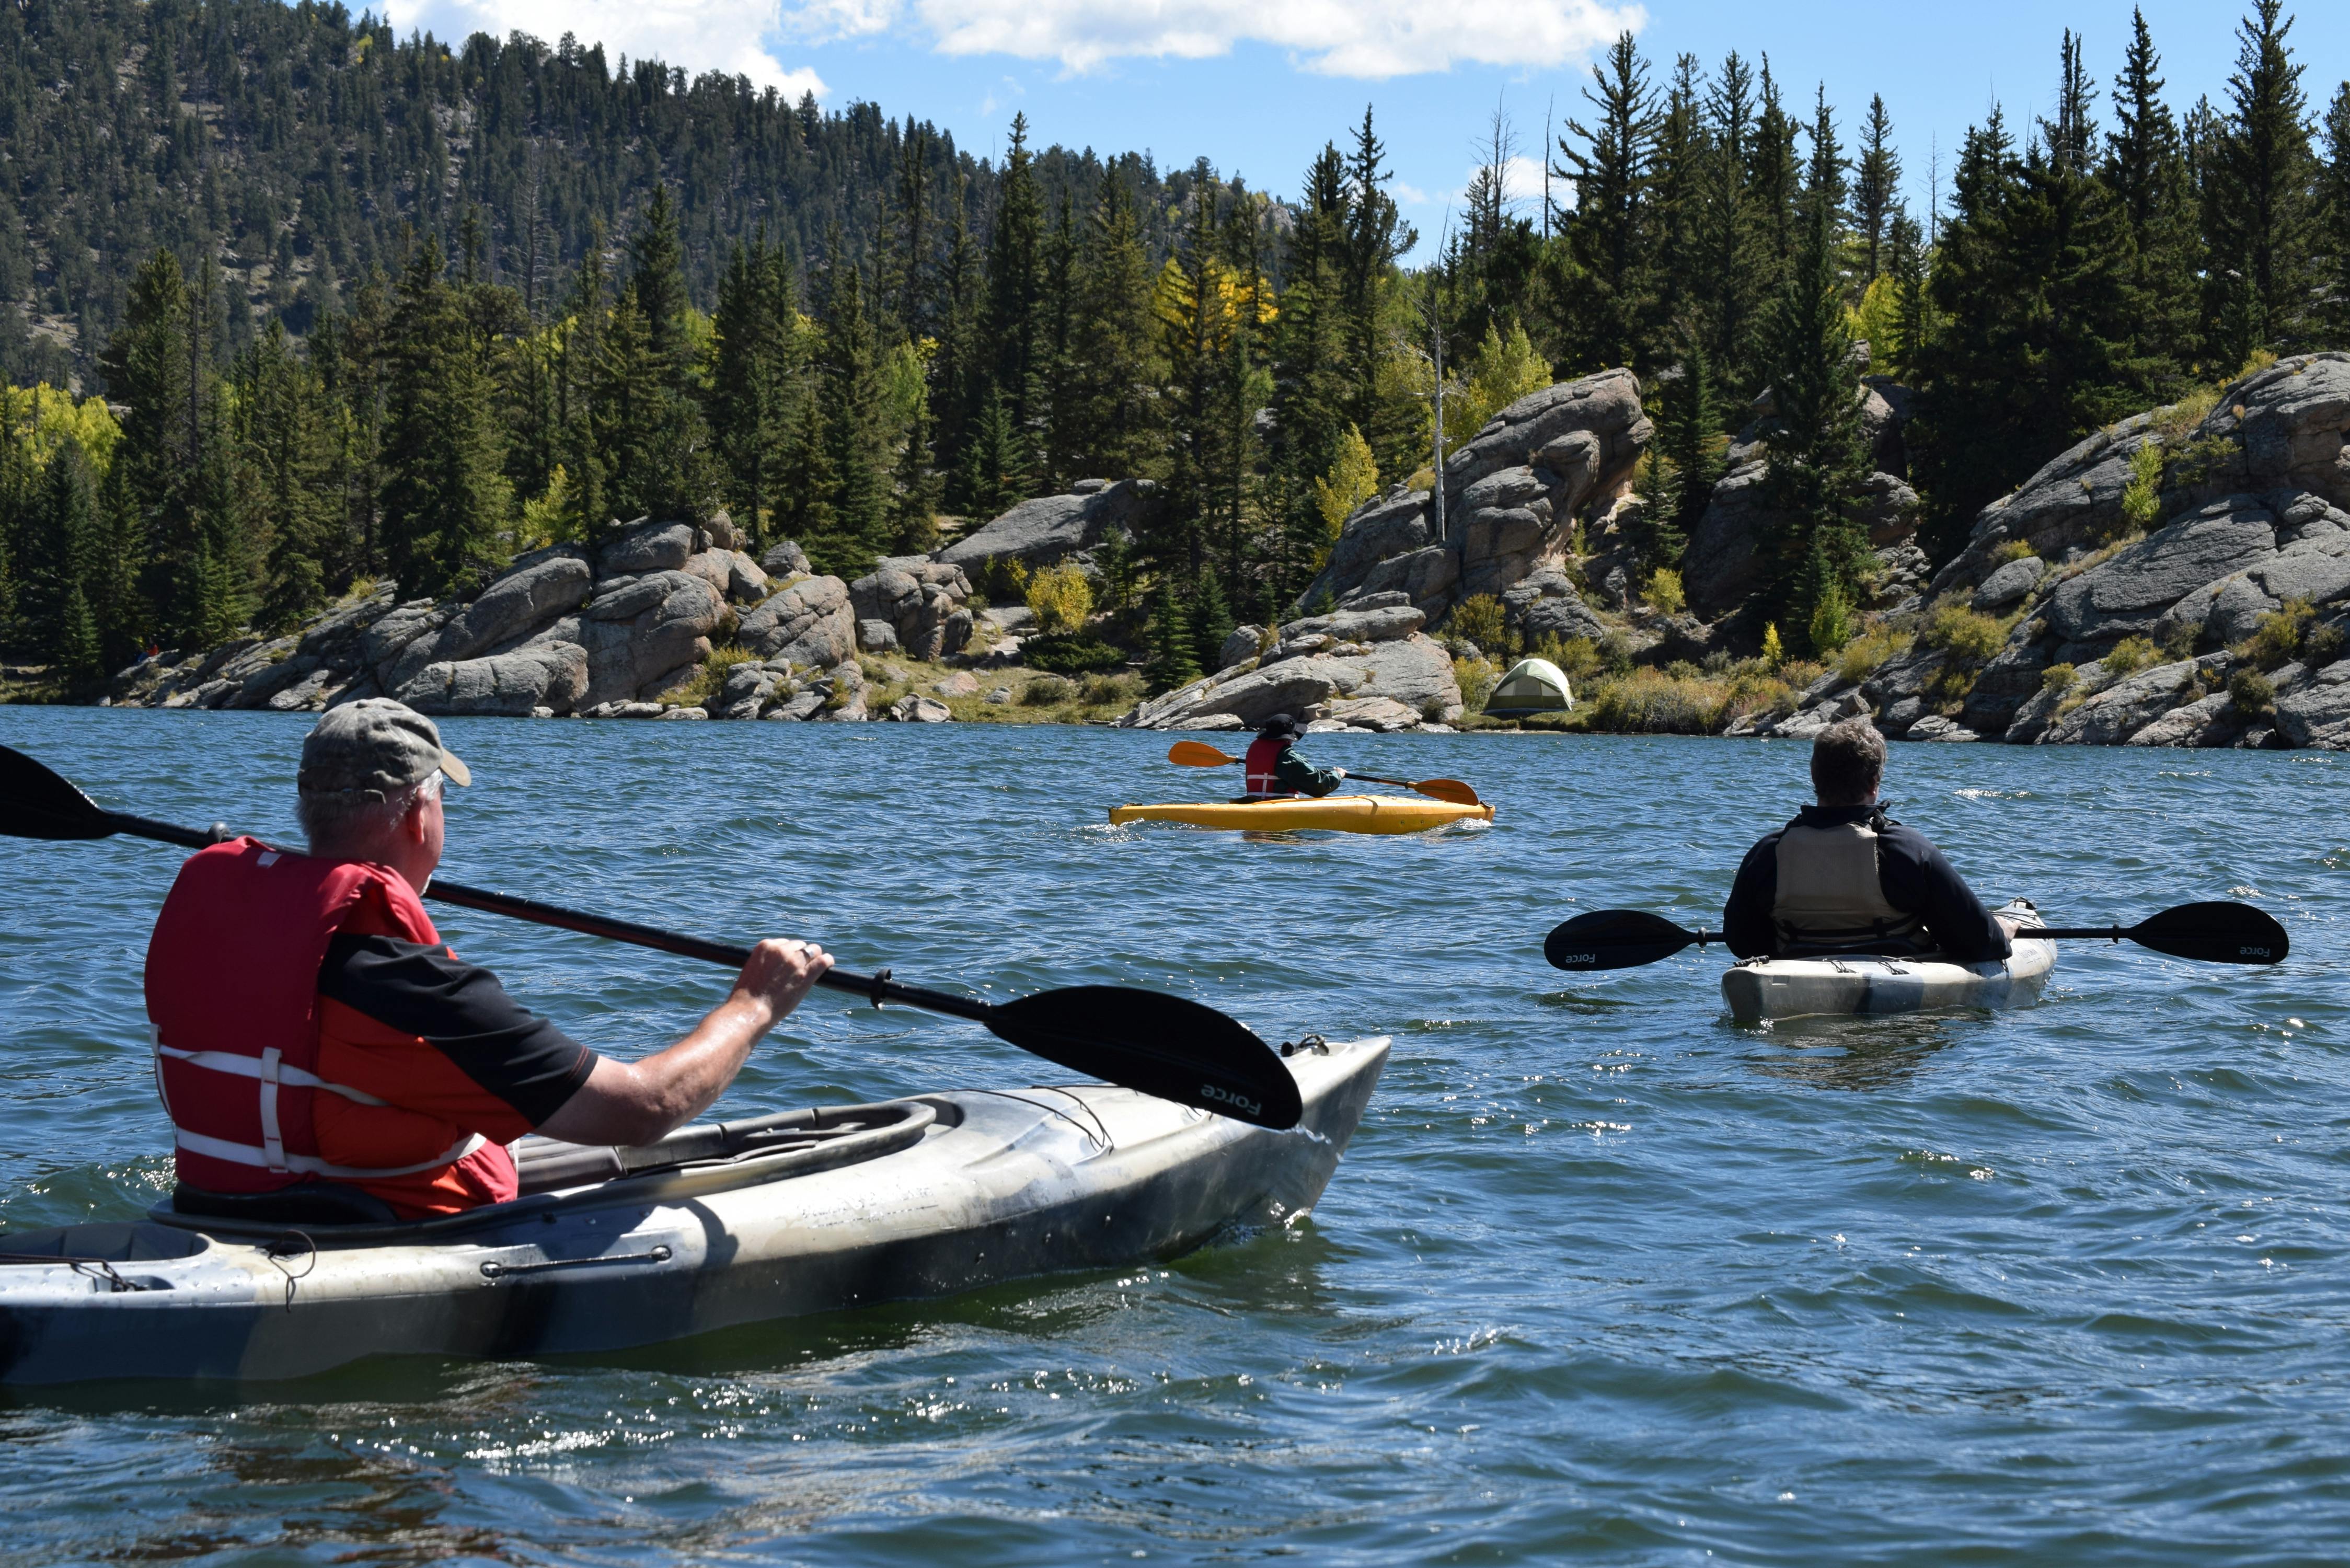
(2214, 933)
(1165, 1046)
(35, 802)
(1614, 939)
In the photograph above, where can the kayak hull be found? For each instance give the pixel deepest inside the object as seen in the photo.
(1333, 813)
(1763, 990)
(999, 1186)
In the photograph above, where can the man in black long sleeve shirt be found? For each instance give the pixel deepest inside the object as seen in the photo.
(1841, 877)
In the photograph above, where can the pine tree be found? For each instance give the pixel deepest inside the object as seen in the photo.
(284, 447)
(59, 559)
(1912, 310)
(1376, 234)
(1876, 189)
(1823, 174)
(1309, 391)
(1673, 199)
(1014, 318)
(1774, 182)
(671, 478)
(1174, 657)
(958, 382)
(1818, 456)
(1191, 326)
(848, 378)
(1607, 233)
(1967, 442)
(991, 480)
(804, 482)
(155, 366)
(2333, 244)
(756, 378)
(1688, 437)
(2257, 200)
(446, 497)
(1210, 619)
(1061, 343)
(2146, 168)
(578, 391)
(1113, 420)
(1732, 248)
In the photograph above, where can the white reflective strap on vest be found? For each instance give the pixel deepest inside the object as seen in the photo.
(251, 1067)
(272, 1072)
(305, 1165)
(1264, 783)
(1829, 888)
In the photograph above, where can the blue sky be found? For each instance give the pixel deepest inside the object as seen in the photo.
(1257, 85)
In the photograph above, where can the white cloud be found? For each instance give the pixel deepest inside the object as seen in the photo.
(696, 34)
(1521, 179)
(1367, 38)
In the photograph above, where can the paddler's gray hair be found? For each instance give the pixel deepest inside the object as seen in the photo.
(341, 821)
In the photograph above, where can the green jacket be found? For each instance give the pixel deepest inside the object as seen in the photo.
(1295, 773)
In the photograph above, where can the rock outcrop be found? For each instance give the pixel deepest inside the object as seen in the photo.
(913, 604)
(1512, 495)
(1050, 528)
(1367, 668)
(559, 631)
(2119, 636)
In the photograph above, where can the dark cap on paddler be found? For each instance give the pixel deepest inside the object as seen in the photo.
(1280, 727)
(374, 747)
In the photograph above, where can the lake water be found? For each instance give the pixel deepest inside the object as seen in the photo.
(1604, 1276)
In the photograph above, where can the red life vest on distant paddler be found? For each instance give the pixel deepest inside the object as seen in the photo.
(233, 999)
(1261, 764)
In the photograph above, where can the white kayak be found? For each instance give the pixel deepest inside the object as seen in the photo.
(1762, 989)
(742, 1223)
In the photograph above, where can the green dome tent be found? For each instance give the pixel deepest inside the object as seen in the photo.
(1532, 686)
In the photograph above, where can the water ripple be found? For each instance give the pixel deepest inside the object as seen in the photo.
(1604, 1277)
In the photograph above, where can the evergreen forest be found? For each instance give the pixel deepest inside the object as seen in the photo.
(288, 303)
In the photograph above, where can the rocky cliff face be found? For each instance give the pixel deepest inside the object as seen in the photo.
(561, 631)
(1368, 667)
(2173, 580)
(1512, 495)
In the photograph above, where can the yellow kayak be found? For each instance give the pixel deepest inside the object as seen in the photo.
(1337, 812)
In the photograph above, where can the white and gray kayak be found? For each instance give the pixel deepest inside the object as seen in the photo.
(1863, 985)
(741, 1223)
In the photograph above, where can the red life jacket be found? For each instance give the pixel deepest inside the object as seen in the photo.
(1264, 757)
(233, 999)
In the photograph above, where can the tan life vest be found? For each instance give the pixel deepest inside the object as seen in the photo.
(1829, 896)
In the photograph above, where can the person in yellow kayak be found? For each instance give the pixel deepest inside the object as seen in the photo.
(1276, 771)
(1843, 877)
(324, 1056)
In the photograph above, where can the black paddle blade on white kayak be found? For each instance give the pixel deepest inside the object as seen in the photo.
(1164, 1045)
(1615, 938)
(35, 802)
(2214, 933)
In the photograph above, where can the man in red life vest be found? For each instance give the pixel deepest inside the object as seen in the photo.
(314, 1036)
(1276, 771)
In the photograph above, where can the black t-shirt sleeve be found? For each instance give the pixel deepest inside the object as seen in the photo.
(463, 1012)
(1917, 878)
(1746, 925)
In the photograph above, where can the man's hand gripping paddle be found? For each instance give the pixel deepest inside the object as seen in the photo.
(2210, 933)
(1165, 1046)
(1200, 754)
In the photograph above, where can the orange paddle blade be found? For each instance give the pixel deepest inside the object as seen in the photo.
(1454, 790)
(1197, 755)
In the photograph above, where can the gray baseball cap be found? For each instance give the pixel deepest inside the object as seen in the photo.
(373, 747)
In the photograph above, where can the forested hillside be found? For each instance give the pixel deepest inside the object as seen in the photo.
(380, 308)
